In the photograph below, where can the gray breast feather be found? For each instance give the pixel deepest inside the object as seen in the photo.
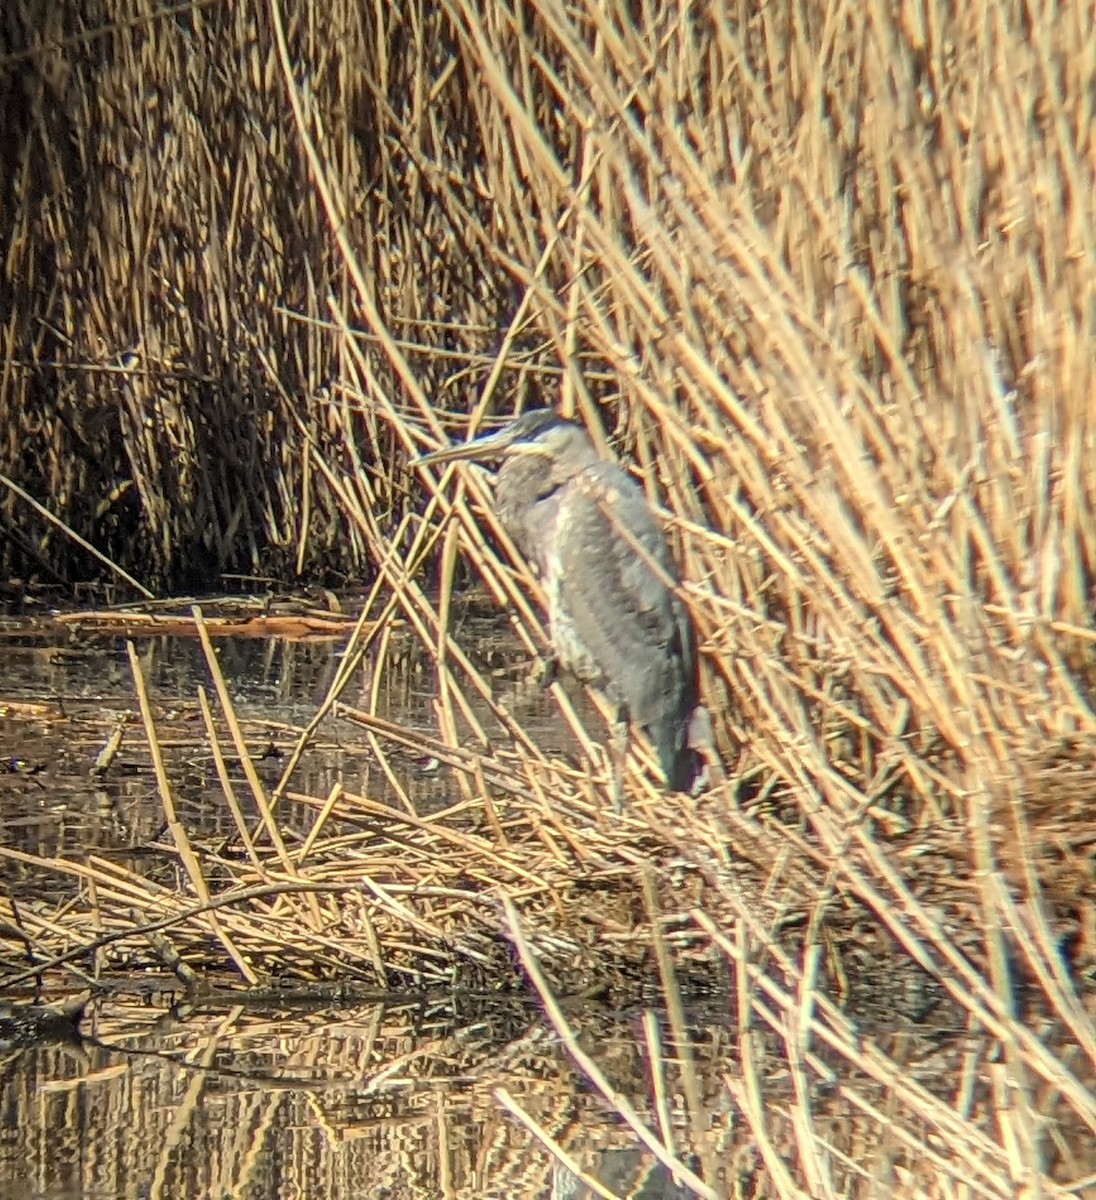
(615, 590)
(528, 500)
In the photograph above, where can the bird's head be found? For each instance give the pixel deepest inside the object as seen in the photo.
(540, 433)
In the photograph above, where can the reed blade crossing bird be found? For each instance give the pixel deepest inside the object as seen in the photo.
(615, 619)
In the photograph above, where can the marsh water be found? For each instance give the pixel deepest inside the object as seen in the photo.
(149, 1087)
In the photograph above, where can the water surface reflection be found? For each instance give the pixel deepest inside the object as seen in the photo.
(373, 1100)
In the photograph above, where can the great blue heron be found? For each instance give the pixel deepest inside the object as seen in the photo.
(616, 621)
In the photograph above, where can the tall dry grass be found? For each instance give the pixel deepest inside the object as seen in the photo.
(824, 274)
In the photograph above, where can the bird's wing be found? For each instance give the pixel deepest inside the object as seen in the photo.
(616, 583)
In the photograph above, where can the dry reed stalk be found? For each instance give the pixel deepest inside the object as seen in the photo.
(176, 828)
(825, 274)
(223, 777)
(675, 1011)
(82, 542)
(258, 792)
(555, 1149)
(970, 1147)
(589, 1067)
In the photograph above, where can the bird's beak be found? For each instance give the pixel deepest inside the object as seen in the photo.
(481, 449)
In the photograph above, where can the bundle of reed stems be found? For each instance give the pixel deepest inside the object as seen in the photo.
(823, 276)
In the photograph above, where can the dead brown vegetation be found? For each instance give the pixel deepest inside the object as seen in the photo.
(825, 275)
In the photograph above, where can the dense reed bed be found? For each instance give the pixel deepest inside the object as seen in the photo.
(825, 277)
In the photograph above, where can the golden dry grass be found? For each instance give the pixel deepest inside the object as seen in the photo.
(824, 274)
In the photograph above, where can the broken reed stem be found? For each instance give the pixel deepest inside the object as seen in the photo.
(175, 826)
(71, 533)
(589, 1067)
(176, 920)
(660, 1094)
(838, 1033)
(225, 780)
(228, 711)
(675, 1011)
(558, 1153)
(746, 1089)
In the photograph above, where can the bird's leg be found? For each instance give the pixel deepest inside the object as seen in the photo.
(546, 671)
(701, 738)
(618, 749)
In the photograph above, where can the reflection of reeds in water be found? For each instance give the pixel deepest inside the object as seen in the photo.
(358, 1097)
(825, 280)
